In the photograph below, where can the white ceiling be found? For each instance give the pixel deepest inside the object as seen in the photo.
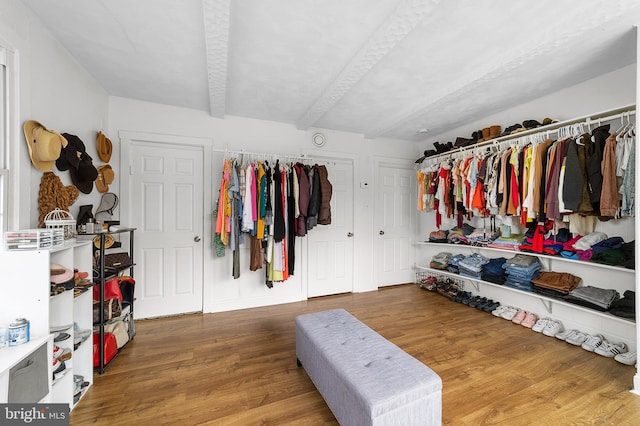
(383, 68)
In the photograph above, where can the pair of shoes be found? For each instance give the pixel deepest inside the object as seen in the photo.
(519, 317)
(509, 313)
(476, 301)
(610, 349)
(540, 324)
(568, 334)
(490, 306)
(529, 320)
(552, 328)
(61, 354)
(627, 358)
(58, 368)
(497, 312)
(576, 339)
(592, 342)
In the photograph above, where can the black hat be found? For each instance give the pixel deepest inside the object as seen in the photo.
(70, 155)
(85, 174)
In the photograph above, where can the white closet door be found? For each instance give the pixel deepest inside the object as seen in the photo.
(330, 247)
(166, 207)
(395, 224)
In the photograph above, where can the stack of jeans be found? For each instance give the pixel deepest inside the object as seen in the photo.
(493, 271)
(453, 263)
(471, 266)
(520, 270)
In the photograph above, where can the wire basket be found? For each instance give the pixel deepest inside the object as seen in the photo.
(61, 219)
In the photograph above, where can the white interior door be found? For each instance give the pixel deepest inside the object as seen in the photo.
(166, 206)
(395, 221)
(330, 247)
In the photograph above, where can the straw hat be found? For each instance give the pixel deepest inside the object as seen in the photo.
(44, 145)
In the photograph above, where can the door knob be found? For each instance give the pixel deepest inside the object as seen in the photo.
(350, 234)
(381, 232)
(196, 239)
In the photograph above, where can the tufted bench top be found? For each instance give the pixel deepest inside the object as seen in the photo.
(376, 373)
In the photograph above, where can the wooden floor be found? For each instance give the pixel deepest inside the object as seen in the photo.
(239, 368)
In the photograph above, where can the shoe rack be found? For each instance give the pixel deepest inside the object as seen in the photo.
(57, 318)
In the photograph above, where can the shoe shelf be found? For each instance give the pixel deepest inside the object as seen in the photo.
(49, 313)
(547, 302)
(548, 258)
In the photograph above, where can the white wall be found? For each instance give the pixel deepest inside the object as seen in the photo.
(221, 291)
(605, 92)
(54, 90)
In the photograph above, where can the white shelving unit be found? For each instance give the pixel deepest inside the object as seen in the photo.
(26, 275)
(572, 315)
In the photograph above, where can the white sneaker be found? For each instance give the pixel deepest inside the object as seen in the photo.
(564, 335)
(592, 342)
(610, 350)
(498, 311)
(627, 358)
(578, 339)
(540, 324)
(553, 327)
(509, 313)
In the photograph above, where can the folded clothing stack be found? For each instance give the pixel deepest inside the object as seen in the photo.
(440, 260)
(454, 262)
(593, 297)
(625, 307)
(471, 266)
(520, 270)
(493, 270)
(555, 283)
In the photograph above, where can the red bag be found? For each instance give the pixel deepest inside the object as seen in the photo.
(110, 348)
(111, 290)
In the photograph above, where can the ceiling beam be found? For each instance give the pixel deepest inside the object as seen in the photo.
(216, 29)
(395, 28)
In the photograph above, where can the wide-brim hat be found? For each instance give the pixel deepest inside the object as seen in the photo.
(106, 175)
(70, 155)
(105, 147)
(59, 274)
(84, 175)
(44, 145)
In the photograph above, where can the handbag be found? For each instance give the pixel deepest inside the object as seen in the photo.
(112, 309)
(111, 290)
(120, 260)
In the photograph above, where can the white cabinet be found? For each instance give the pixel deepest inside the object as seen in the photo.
(27, 294)
(572, 315)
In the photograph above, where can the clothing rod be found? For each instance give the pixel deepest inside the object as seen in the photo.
(263, 154)
(590, 119)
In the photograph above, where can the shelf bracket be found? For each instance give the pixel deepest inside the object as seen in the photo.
(548, 305)
(475, 285)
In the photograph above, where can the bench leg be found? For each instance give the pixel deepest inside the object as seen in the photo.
(298, 362)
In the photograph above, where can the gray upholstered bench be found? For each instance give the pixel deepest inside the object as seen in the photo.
(364, 378)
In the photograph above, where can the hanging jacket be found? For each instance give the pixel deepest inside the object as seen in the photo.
(326, 189)
(573, 180)
(314, 198)
(609, 201)
(594, 164)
